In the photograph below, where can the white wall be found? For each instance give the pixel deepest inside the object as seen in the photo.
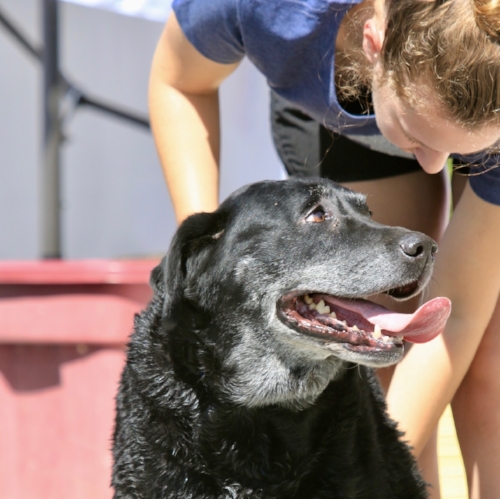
(115, 202)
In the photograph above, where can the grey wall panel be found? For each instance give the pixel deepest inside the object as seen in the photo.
(115, 203)
(115, 199)
(20, 93)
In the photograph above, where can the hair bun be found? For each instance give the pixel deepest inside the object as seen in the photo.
(487, 14)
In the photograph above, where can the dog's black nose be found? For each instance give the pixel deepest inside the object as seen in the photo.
(418, 245)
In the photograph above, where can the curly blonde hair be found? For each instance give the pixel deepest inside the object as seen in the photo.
(452, 45)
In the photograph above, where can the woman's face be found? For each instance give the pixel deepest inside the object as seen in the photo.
(425, 132)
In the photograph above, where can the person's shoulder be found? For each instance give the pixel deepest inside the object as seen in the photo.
(212, 27)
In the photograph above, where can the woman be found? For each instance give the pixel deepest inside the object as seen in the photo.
(430, 72)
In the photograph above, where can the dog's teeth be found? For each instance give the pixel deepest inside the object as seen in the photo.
(308, 299)
(333, 315)
(386, 339)
(355, 328)
(345, 323)
(312, 306)
(322, 308)
(377, 333)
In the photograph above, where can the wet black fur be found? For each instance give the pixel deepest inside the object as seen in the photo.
(273, 421)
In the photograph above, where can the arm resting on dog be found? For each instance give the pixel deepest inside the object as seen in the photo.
(468, 273)
(184, 108)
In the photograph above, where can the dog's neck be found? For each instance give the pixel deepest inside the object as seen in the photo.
(264, 444)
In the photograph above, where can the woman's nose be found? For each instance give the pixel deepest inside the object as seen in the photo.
(430, 161)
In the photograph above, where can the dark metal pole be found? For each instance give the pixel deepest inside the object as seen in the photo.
(50, 178)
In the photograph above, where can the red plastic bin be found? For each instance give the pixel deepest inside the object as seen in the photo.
(63, 328)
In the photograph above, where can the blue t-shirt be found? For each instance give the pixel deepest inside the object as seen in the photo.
(292, 43)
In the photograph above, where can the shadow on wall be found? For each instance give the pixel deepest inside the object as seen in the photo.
(29, 368)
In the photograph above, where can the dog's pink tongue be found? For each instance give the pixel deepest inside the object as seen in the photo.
(421, 326)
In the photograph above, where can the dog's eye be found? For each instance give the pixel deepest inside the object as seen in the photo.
(317, 215)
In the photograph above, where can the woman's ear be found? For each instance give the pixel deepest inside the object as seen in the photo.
(373, 39)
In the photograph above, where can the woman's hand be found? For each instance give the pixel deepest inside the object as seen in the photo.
(184, 110)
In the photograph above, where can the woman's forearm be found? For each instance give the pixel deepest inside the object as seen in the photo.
(467, 272)
(186, 132)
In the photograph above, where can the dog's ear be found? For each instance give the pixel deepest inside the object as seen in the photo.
(196, 234)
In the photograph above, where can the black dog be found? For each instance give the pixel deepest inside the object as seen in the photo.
(246, 375)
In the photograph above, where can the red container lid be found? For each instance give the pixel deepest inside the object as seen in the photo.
(76, 271)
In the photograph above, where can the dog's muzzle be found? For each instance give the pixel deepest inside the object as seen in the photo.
(361, 324)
